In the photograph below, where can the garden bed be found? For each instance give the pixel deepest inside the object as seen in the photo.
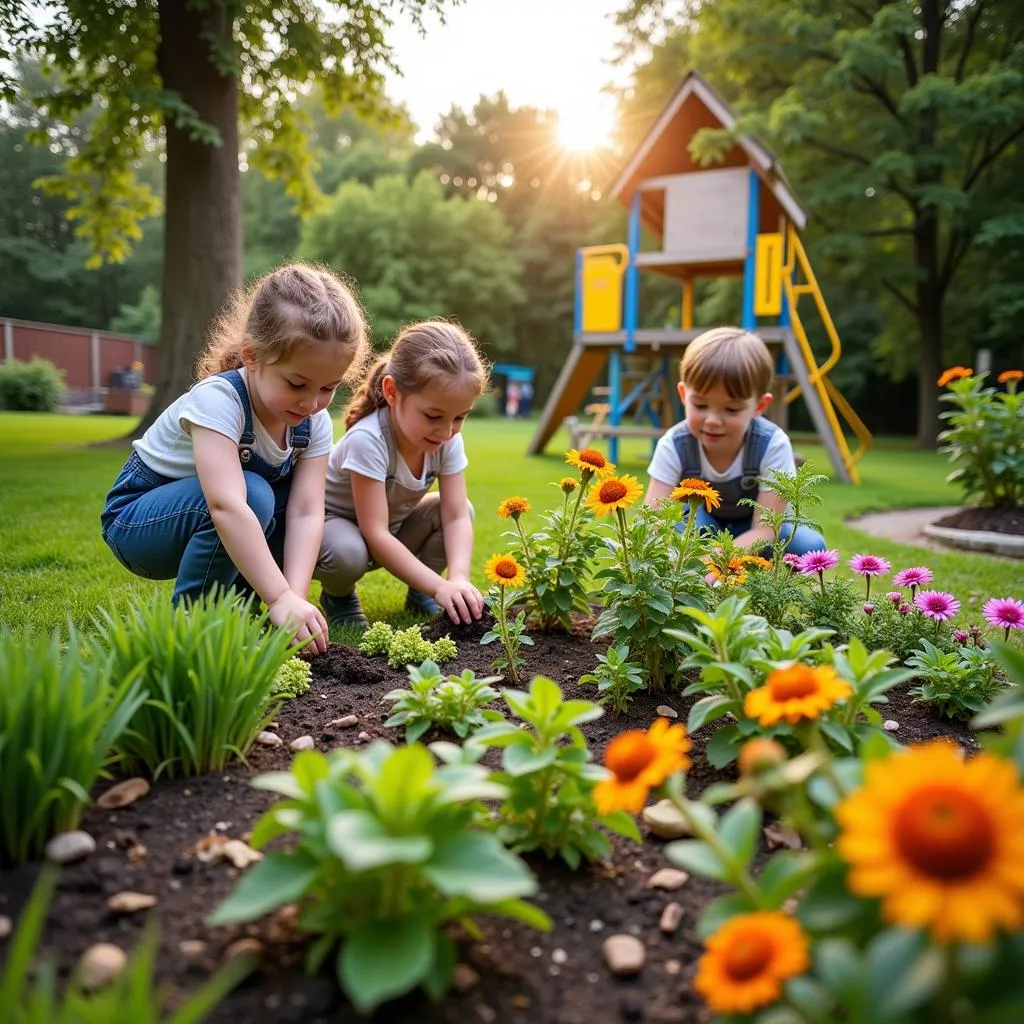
(514, 974)
(991, 520)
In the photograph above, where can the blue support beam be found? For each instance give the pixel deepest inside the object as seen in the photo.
(577, 312)
(749, 320)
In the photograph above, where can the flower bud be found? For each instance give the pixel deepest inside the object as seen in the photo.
(869, 608)
(759, 754)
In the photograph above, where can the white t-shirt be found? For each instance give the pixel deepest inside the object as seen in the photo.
(666, 467)
(213, 403)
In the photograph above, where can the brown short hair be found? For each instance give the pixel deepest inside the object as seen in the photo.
(730, 357)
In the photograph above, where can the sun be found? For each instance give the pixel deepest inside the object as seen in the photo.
(584, 125)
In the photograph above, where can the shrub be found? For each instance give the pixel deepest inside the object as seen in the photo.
(293, 679)
(616, 678)
(385, 855)
(958, 683)
(35, 386)
(406, 646)
(60, 714)
(210, 669)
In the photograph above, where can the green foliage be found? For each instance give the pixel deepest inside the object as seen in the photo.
(445, 649)
(209, 668)
(510, 631)
(29, 991)
(1005, 714)
(35, 386)
(985, 441)
(616, 678)
(831, 604)
(888, 628)
(455, 703)
(293, 679)
(958, 683)
(62, 709)
(140, 319)
(377, 639)
(550, 778)
(406, 646)
(385, 855)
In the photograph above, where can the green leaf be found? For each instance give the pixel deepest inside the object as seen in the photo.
(904, 970)
(277, 879)
(384, 959)
(723, 746)
(361, 842)
(718, 911)
(785, 873)
(520, 759)
(708, 709)
(840, 967)
(740, 827)
(476, 865)
(838, 733)
(520, 910)
(696, 856)
(623, 824)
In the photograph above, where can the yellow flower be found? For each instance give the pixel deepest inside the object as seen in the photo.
(505, 571)
(693, 490)
(940, 840)
(954, 373)
(748, 959)
(590, 461)
(1008, 375)
(795, 693)
(733, 574)
(568, 484)
(639, 761)
(757, 560)
(615, 492)
(513, 508)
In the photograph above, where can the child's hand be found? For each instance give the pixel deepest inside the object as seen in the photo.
(460, 599)
(305, 619)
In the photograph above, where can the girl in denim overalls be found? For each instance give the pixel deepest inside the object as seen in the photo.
(229, 480)
(404, 432)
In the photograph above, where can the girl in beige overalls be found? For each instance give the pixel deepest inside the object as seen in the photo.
(403, 432)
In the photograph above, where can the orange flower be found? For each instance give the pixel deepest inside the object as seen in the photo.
(795, 693)
(954, 373)
(733, 574)
(615, 492)
(505, 571)
(639, 761)
(590, 462)
(748, 959)
(756, 560)
(568, 484)
(759, 754)
(940, 840)
(513, 508)
(1008, 375)
(695, 491)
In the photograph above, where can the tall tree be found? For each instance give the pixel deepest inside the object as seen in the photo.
(186, 72)
(895, 119)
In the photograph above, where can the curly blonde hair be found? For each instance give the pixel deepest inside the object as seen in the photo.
(425, 353)
(297, 304)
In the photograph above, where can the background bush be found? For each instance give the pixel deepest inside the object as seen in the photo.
(35, 386)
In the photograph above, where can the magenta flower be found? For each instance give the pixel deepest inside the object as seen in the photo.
(895, 596)
(960, 636)
(1004, 613)
(868, 566)
(914, 577)
(869, 608)
(793, 561)
(818, 562)
(937, 605)
(904, 608)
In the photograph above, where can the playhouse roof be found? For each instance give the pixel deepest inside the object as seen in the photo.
(665, 149)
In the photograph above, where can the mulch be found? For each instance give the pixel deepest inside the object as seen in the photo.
(524, 976)
(994, 520)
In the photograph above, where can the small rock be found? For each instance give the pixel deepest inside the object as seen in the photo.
(666, 821)
(671, 917)
(192, 949)
(240, 854)
(269, 739)
(624, 954)
(673, 966)
(668, 879)
(596, 925)
(364, 737)
(137, 854)
(130, 902)
(67, 847)
(777, 837)
(303, 743)
(346, 722)
(100, 965)
(464, 977)
(243, 947)
(123, 794)
(890, 725)
(486, 1013)
(5, 926)
(521, 1002)
(559, 956)
(208, 848)
(666, 712)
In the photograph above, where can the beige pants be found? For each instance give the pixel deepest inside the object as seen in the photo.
(344, 558)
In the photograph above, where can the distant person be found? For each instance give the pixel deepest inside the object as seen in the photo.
(525, 399)
(403, 433)
(724, 380)
(229, 480)
(512, 395)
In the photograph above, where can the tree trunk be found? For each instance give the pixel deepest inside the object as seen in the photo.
(203, 213)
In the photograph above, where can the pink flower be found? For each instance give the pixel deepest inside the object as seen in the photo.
(895, 596)
(793, 561)
(817, 562)
(937, 605)
(914, 577)
(868, 566)
(869, 608)
(1004, 613)
(960, 636)
(904, 608)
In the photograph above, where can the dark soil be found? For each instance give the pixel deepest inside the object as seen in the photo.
(524, 976)
(995, 520)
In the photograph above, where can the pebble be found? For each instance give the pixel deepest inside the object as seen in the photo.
(464, 977)
(624, 954)
(130, 902)
(269, 739)
(346, 722)
(666, 712)
(363, 737)
(673, 966)
(303, 743)
(486, 1013)
(123, 794)
(666, 821)
(240, 854)
(777, 837)
(67, 847)
(596, 925)
(100, 965)
(671, 917)
(192, 949)
(668, 879)
(5, 926)
(890, 725)
(521, 1002)
(559, 956)
(243, 947)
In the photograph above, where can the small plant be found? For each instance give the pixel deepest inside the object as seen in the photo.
(62, 709)
(889, 623)
(385, 855)
(550, 778)
(406, 646)
(456, 703)
(377, 639)
(616, 678)
(29, 994)
(209, 669)
(958, 683)
(35, 386)
(293, 679)
(505, 572)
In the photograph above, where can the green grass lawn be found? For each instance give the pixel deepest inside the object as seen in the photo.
(53, 563)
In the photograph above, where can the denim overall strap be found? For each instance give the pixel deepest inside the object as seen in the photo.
(247, 442)
(747, 484)
(687, 451)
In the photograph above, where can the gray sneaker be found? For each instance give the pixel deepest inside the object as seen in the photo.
(343, 610)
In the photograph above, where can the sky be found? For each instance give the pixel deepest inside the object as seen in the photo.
(543, 53)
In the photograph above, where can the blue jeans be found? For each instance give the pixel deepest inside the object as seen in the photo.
(803, 541)
(161, 529)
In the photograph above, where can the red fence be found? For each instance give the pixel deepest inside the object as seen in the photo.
(88, 358)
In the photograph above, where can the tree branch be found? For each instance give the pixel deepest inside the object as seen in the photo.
(862, 161)
(902, 299)
(874, 89)
(990, 156)
(972, 24)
